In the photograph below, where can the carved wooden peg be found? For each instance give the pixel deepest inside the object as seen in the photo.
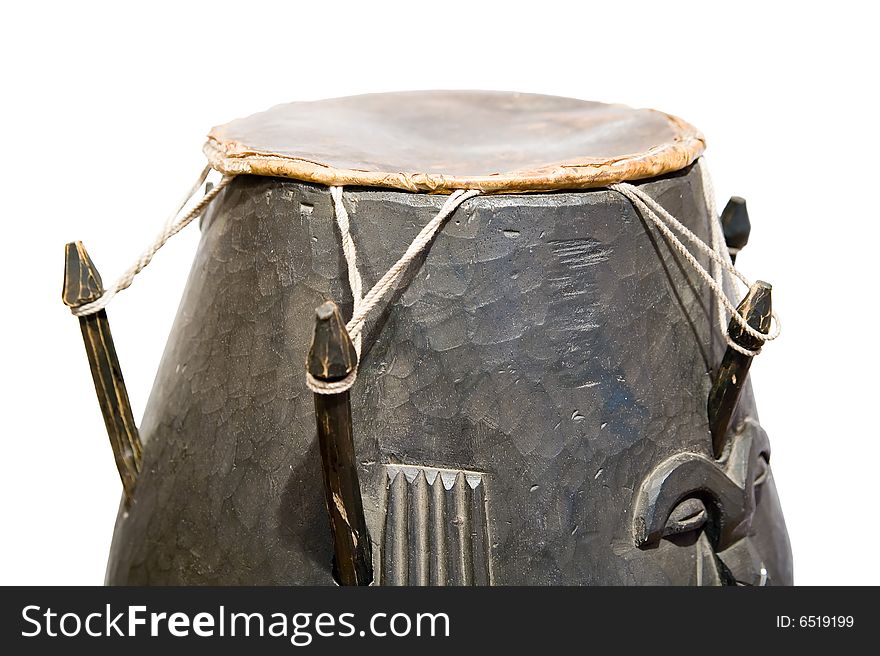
(333, 358)
(736, 225)
(82, 284)
(756, 308)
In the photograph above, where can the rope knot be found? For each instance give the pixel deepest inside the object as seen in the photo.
(718, 255)
(364, 304)
(331, 387)
(172, 227)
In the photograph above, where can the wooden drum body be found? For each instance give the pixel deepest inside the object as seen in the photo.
(530, 406)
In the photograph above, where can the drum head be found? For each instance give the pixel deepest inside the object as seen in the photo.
(438, 141)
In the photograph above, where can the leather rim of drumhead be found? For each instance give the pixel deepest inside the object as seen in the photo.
(685, 148)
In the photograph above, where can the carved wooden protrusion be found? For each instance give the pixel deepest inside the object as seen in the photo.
(82, 284)
(690, 496)
(756, 308)
(332, 357)
(736, 225)
(436, 527)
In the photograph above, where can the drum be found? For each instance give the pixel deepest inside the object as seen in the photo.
(534, 395)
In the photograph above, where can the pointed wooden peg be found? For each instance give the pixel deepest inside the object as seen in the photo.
(332, 358)
(736, 225)
(756, 308)
(82, 284)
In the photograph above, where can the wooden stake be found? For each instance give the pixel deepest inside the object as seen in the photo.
(332, 357)
(756, 309)
(82, 284)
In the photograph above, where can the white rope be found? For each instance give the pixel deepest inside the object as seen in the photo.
(386, 282)
(723, 264)
(647, 206)
(331, 387)
(363, 306)
(350, 252)
(717, 253)
(172, 227)
(718, 270)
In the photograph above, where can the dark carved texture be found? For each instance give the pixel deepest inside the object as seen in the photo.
(435, 528)
(553, 345)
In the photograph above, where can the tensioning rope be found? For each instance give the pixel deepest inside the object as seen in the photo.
(667, 224)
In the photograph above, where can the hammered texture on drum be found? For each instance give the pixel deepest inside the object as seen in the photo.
(552, 343)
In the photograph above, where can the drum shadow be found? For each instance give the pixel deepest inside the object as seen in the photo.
(302, 514)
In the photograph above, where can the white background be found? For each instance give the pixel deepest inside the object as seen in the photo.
(105, 106)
